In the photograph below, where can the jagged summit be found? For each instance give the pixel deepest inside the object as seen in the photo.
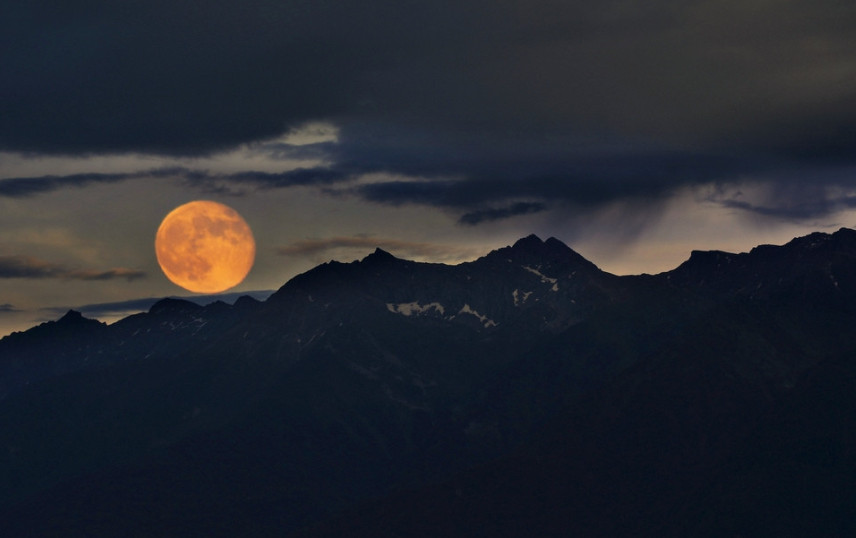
(379, 256)
(533, 242)
(530, 242)
(72, 316)
(73, 320)
(843, 240)
(845, 233)
(552, 252)
(554, 243)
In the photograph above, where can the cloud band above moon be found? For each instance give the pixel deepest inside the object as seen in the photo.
(489, 110)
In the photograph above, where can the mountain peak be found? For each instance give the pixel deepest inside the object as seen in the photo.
(555, 243)
(845, 233)
(170, 304)
(843, 239)
(531, 249)
(709, 256)
(532, 243)
(528, 243)
(379, 256)
(245, 301)
(74, 320)
(72, 316)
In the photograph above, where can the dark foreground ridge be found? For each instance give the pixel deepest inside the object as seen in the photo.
(526, 393)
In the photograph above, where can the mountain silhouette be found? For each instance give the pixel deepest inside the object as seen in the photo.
(526, 393)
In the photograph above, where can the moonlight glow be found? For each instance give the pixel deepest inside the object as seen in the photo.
(205, 247)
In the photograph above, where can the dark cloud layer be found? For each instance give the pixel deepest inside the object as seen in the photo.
(485, 215)
(490, 105)
(489, 182)
(34, 268)
(796, 202)
(181, 76)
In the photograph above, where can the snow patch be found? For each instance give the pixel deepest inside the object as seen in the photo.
(520, 297)
(487, 322)
(545, 279)
(408, 309)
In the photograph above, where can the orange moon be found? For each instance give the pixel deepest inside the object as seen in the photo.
(205, 247)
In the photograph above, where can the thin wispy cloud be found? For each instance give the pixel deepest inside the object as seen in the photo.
(34, 268)
(22, 187)
(110, 274)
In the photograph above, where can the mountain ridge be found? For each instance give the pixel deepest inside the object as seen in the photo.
(532, 244)
(358, 381)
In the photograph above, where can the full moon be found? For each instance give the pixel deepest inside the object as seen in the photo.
(205, 247)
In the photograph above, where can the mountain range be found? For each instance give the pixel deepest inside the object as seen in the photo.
(526, 393)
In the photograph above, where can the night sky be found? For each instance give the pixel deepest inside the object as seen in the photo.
(632, 131)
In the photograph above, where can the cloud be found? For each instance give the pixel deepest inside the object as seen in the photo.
(482, 106)
(488, 180)
(21, 187)
(34, 268)
(793, 202)
(127, 274)
(533, 181)
(278, 180)
(485, 215)
(90, 76)
(317, 247)
(6, 308)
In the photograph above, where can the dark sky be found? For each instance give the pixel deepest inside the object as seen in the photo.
(633, 131)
